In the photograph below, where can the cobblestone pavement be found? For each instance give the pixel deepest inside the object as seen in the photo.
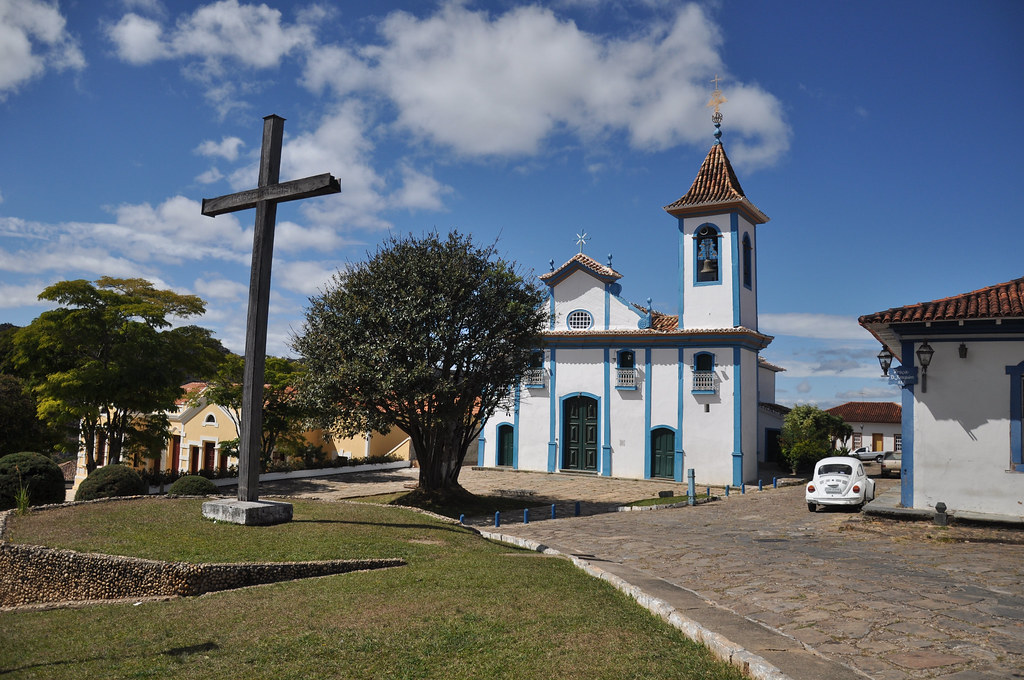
(895, 600)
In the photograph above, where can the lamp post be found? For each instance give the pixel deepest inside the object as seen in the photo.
(924, 357)
(885, 360)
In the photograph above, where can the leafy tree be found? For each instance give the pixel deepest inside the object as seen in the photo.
(19, 427)
(810, 434)
(282, 411)
(428, 336)
(109, 359)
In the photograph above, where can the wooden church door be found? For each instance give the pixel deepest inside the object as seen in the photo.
(663, 453)
(506, 439)
(579, 434)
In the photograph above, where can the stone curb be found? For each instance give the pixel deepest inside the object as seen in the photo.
(751, 664)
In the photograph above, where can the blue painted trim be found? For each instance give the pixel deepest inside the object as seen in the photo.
(747, 261)
(600, 414)
(515, 431)
(589, 315)
(681, 390)
(1016, 374)
(648, 381)
(682, 271)
(734, 226)
(710, 339)
(553, 417)
(604, 465)
(607, 306)
(737, 417)
(481, 444)
(908, 401)
(551, 310)
(718, 245)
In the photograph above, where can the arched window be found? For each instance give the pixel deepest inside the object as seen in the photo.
(210, 420)
(704, 373)
(706, 254)
(626, 373)
(747, 261)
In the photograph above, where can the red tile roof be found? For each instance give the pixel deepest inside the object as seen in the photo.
(869, 412)
(716, 185)
(1004, 300)
(583, 261)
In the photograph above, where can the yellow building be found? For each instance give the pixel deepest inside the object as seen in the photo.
(198, 427)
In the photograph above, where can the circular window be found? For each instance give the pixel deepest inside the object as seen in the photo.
(580, 320)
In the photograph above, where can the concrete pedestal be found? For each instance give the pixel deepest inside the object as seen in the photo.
(250, 513)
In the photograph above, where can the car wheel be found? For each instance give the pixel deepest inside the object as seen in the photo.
(878, 459)
(811, 507)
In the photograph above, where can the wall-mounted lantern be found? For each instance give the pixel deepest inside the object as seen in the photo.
(924, 357)
(885, 360)
(963, 350)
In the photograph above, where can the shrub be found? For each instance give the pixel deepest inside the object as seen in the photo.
(111, 481)
(192, 485)
(36, 473)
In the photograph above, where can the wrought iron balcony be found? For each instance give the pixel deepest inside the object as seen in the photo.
(534, 377)
(627, 378)
(704, 382)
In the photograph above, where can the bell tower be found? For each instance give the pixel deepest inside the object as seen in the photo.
(717, 243)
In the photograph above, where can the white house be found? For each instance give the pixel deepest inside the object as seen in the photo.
(623, 390)
(877, 425)
(962, 376)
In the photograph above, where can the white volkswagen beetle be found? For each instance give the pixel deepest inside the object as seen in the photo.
(839, 480)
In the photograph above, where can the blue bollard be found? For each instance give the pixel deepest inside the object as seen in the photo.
(526, 515)
(759, 486)
(462, 519)
(552, 511)
(497, 519)
(707, 493)
(691, 493)
(743, 488)
(726, 490)
(577, 508)
(775, 482)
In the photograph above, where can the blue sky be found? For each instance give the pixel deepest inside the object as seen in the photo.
(883, 139)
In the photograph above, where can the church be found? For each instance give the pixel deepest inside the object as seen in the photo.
(620, 389)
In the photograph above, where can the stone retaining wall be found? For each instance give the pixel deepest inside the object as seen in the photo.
(31, 574)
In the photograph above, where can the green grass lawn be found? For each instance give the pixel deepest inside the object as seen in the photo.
(462, 608)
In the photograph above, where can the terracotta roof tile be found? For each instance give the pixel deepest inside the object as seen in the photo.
(775, 408)
(868, 412)
(716, 184)
(1001, 301)
(581, 260)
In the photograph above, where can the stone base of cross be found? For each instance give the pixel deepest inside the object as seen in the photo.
(248, 509)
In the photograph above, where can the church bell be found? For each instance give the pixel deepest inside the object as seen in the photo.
(708, 267)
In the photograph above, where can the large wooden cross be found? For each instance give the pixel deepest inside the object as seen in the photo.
(264, 198)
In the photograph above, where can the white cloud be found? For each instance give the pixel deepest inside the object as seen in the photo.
(33, 38)
(210, 176)
(822, 326)
(227, 148)
(220, 289)
(305, 278)
(138, 40)
(25, 295)
(485, 86)
(419, 191)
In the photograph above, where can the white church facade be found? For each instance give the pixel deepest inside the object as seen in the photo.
(619, 389)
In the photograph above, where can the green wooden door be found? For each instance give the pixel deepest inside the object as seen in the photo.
(663, 453)
(505, 443)
(579, 434)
